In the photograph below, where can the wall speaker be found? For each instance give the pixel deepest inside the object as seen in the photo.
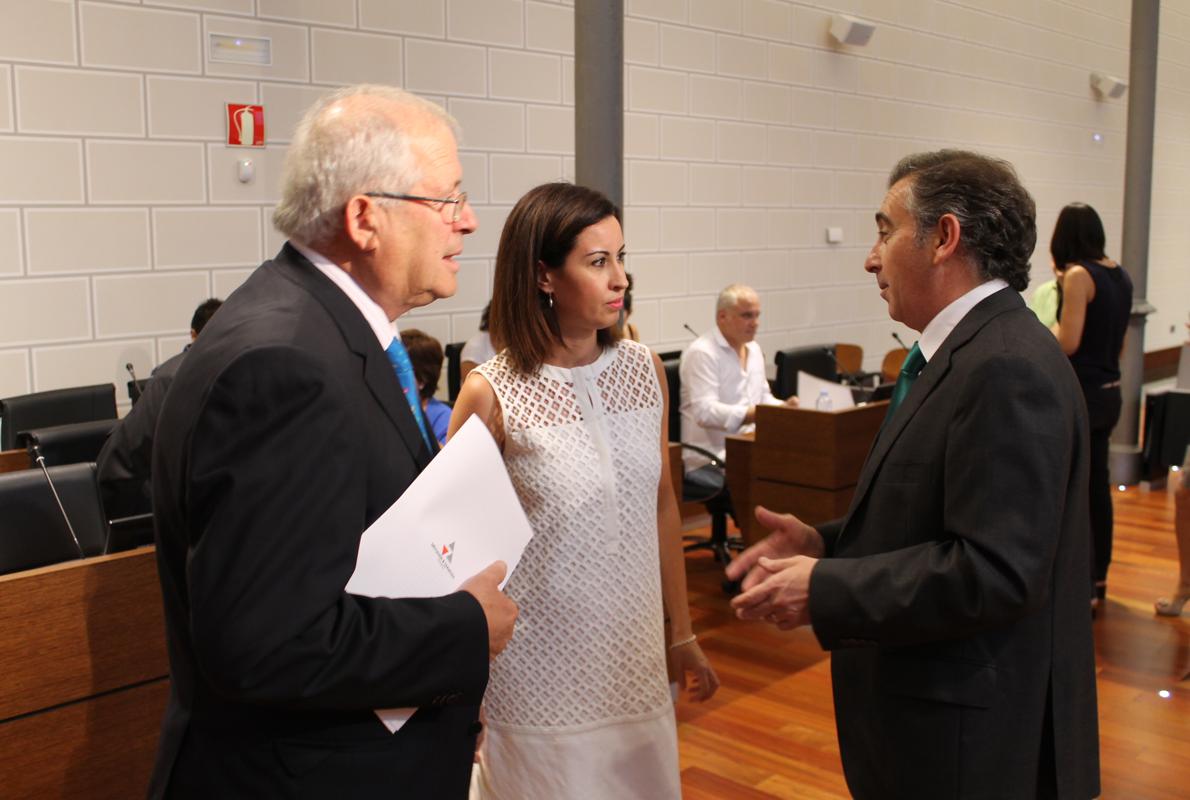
(1108, 85)
(849, 30)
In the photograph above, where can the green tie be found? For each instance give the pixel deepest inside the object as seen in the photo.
(909, 372)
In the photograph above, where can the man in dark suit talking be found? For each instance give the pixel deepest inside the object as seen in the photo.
(286, 433)
(953, 593)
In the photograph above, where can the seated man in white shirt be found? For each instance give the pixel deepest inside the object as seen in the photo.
(723, 381)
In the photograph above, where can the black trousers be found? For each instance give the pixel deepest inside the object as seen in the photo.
(1103, 411)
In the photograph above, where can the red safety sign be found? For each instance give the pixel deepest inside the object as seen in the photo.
(245, 125)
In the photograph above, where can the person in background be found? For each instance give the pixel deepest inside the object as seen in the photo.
(426, 354)
(1172, 605)
(1096, 305)
(291, 426)
(723, 381)
(122, 467)
(579, 705)
(478, 348)
(951, 594)
(1046, 301)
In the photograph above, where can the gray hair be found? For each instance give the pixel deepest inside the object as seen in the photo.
(729, 297)
(996, 214)
(338, 153)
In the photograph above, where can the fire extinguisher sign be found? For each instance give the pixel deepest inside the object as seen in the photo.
(245, 125)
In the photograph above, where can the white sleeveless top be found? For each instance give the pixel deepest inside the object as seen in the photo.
(578, 705)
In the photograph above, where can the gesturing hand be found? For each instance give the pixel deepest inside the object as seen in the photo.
(790, 537)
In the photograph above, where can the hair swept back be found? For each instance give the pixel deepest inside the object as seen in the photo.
(1078, 236)
(997, 216)
(541, 228)
(336, 155)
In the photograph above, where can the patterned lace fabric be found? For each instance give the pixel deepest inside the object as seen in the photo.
(582, 447)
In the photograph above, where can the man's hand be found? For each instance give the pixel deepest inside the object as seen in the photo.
(791, 401)
(790, 537)
(782, 594)
(498, 610)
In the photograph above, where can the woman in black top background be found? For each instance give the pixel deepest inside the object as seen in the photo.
(1096, 303)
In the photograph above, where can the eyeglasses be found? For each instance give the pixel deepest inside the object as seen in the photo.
(455, 203)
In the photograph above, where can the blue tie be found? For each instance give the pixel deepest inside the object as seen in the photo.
(399, 358)
(914, 363)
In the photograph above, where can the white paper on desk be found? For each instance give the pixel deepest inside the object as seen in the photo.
(459, 516)
(809, 387)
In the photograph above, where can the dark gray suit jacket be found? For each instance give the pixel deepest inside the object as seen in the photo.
(284, 435)
(954, 595)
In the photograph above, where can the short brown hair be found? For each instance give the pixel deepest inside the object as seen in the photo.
(541, 228)
(426, 354)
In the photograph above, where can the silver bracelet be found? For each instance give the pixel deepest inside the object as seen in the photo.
(684, 642)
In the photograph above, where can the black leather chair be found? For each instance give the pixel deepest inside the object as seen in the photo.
(78, 442)
(453, 352)
(136, 388)
(32, 531)
(57, 407)
(816, 359)
(716, 499)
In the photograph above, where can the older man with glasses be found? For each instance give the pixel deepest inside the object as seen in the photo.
(290, 428)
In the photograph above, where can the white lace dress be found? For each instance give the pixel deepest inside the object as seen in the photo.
(578, 705)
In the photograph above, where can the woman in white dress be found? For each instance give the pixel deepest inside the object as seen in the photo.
(578, 705)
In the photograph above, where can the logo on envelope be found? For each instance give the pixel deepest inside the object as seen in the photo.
(446, 554)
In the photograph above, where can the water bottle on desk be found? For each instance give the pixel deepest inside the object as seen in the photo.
(823, 403)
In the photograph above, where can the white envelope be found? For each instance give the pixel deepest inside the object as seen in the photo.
(459, 516)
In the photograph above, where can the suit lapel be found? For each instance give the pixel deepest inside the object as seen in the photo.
(379, 375)
(935, 371)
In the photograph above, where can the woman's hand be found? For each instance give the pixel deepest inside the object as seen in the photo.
(693, 671)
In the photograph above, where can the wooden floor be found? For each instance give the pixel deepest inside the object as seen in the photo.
(770, 732)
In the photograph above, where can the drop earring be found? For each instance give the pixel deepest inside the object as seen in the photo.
(550, 300)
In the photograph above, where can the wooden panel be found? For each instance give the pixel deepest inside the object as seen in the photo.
(98, 749)
(675, 469)
(14, 460)
(77, 629)
(739, 484)
(809, 504)
(812, 448)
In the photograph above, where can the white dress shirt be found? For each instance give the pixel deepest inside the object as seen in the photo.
(377, 320)
(717, 393)
(948, 318)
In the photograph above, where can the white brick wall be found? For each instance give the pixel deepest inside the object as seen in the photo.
(120, 209)
(747, 132)
(782, 133)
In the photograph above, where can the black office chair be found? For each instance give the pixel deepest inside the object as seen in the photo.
(57, 407)
(816, 359)
(453, 353)
(32, 531)
(716, 498)
(136, 388)
(78, 442)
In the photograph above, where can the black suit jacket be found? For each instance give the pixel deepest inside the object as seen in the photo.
(122, 466)
(283, 436)
(954, 595)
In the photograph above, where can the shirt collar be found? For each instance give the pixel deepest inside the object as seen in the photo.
(948, 318)
(374, 315)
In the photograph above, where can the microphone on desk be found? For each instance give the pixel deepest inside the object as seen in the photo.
(899, 340)
(131, 371)
(692, 331)
(40, 459)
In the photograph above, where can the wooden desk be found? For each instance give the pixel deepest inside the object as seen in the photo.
(14, 460)
(739, 484)
(83, 677)
(801, 462)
